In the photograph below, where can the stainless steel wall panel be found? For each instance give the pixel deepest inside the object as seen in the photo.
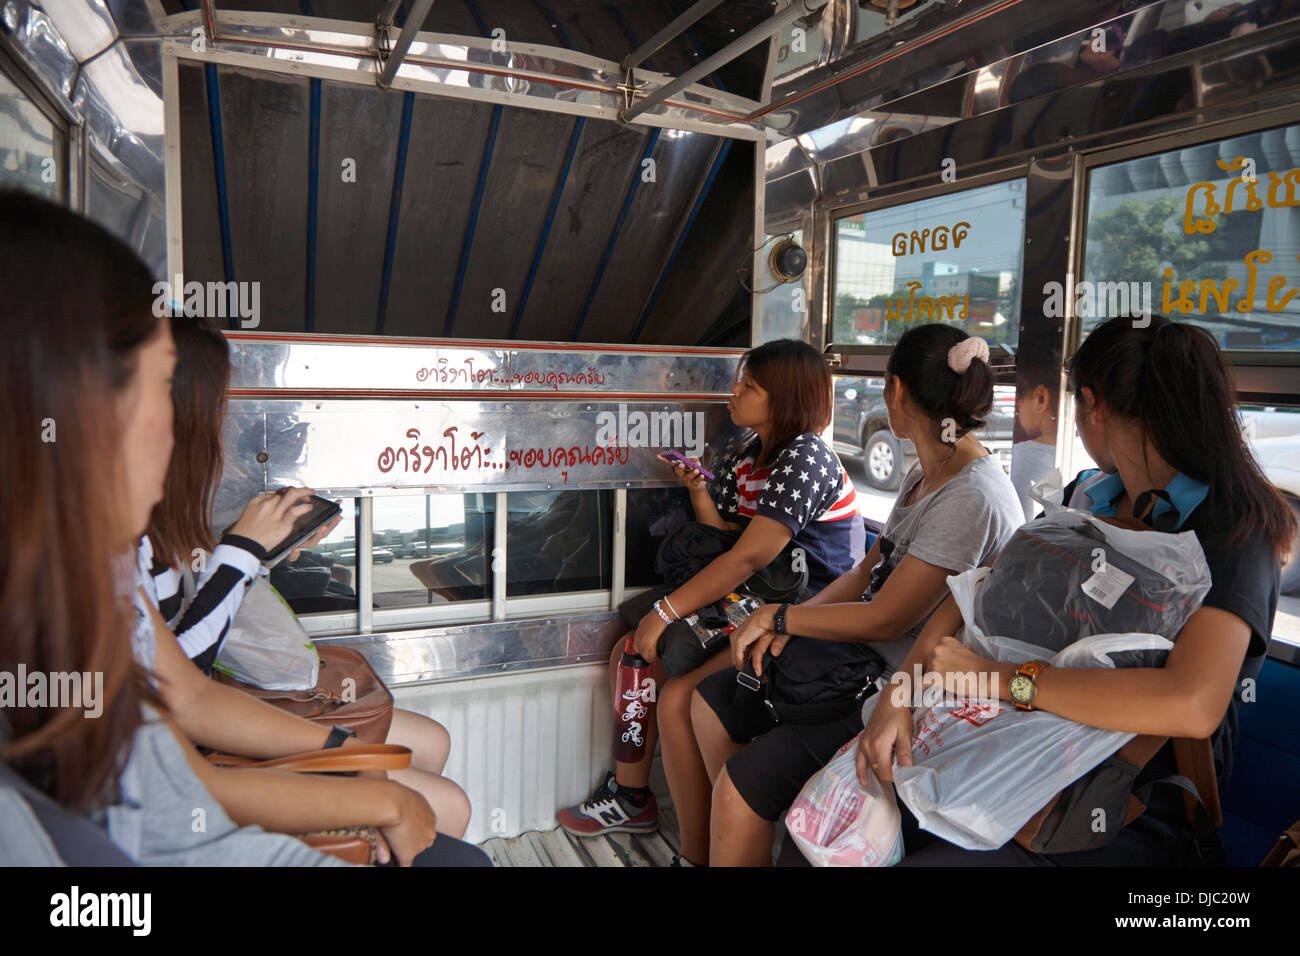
(608, 157)
(265, 131)
(361, 125)
(442, 167)
(322, 366)
(452, 446)
(199, 212)
(658, 213)
(1164, 97)
(527, 161)
(427, 655)
(243, 438)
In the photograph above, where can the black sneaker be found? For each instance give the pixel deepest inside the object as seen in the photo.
(607, 811)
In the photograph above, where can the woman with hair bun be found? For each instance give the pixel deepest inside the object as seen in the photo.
(955, 510)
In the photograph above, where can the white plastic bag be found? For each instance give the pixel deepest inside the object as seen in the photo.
(266, 646)
(981, 769)
(837, 823)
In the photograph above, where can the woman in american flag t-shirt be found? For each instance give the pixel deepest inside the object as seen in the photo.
(786, 488)
(805, 488)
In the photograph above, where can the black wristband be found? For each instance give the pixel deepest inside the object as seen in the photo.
(778, 620)
(337, 736)
(247, 544)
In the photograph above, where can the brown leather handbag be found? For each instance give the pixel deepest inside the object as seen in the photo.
(348, 693)
(351, 844)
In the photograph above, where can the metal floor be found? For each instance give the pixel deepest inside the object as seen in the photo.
(558, 848)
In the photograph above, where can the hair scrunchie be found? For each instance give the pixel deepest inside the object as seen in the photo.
(961, 354)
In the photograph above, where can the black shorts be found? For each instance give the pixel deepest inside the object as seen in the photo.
(780, 757)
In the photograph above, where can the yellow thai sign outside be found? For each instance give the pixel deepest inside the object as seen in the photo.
(1202, 204)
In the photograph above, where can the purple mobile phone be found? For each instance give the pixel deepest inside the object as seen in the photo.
(682, 459)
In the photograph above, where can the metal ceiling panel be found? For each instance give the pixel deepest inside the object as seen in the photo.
(681, 163)
(200, 217)
(527, 161)
(360, 125)
(442, 168)
(608, 158)
(265, 132)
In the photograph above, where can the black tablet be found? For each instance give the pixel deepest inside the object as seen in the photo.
(322, 511)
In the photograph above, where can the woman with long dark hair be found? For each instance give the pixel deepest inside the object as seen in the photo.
(90, 368)
(1157, 413)
(86, 370)
(954, 510)
(783, 394)
(179, 527)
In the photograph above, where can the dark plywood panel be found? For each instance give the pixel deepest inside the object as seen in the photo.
(523, 21)
(526, 165)
(702, 295)
(681, 164)
(442, 168)
(361, 124)
(265, 122)
(608, 156)
(200, 219)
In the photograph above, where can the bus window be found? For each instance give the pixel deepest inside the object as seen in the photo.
(432, 549)
(558, 541)
(1207, 234)
(953, 258)
(32, 147)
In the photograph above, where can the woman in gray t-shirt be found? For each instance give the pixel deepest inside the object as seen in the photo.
(955, 510)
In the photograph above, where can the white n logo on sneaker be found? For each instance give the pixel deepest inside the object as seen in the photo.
(608, 812)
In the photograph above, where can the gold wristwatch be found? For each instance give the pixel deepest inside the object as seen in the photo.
(1024, 686)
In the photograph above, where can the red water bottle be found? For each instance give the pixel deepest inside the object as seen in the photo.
(634, 705)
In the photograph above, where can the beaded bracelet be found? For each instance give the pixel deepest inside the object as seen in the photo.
(660, 611)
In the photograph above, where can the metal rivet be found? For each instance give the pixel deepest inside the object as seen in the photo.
(262, 457)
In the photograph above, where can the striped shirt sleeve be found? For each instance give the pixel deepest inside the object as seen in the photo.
(202, 625)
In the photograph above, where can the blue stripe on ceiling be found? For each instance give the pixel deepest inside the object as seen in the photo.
(546, 226)
(473, 219)
(555, 23)
(219, 165)
(613, 236)
(394, 209)
(681, 239)
(313, 195)
(478, 17)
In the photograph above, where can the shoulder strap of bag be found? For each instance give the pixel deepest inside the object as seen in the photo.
(364, 757)
(189, 587)
(1196, 777)
(1286, 852)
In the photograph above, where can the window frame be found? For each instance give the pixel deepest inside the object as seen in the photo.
(1255, 373)
(1259, 377)
(67, 127)
(872, 358)
(367, 619)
